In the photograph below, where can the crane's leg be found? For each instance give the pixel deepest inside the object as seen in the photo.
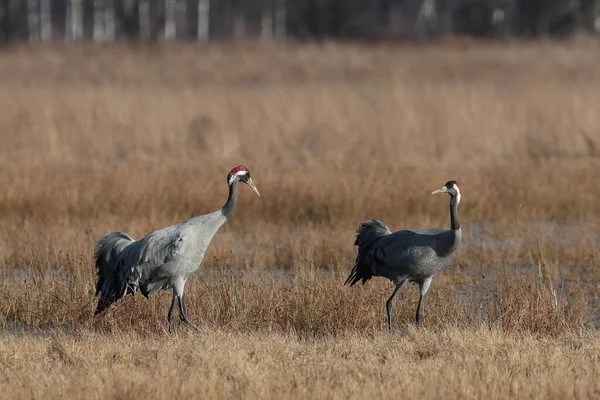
(178, 286)
(423, 288)
(388, 304)
(182, 315)
(170, 315)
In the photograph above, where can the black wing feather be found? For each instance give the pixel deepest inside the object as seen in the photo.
(369, 254)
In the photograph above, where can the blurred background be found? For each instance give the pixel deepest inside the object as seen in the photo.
(108, 20)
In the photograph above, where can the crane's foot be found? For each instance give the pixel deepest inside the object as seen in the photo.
(183, 317)
(185, 320)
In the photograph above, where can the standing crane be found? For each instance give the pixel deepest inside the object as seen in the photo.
(165, 258)
(412, 255)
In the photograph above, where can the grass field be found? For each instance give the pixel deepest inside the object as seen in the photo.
(135, 138)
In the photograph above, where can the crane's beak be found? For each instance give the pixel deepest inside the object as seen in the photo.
(252, 186)
(443, 189)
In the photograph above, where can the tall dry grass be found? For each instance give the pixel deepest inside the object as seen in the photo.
(135, 138)
(452, 364)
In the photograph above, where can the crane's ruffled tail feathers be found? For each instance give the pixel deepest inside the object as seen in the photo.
(110, 283)
(106, 254)
(366, 233)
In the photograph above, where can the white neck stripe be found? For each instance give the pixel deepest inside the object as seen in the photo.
(457, 193)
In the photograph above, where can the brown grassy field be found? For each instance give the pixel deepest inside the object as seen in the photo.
(135, 138)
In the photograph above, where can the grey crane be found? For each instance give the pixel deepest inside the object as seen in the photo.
(412, 255)
(163, 259)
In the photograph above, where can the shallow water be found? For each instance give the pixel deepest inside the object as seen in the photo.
(488, 234)
(17, 328)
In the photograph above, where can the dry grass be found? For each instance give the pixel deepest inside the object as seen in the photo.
(450, 363)
(137, 138)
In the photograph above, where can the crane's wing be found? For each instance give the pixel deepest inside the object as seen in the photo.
(107, 251)
(144, 259)
(148, 263)
(109, 283)
(392, 255)
(408, 253)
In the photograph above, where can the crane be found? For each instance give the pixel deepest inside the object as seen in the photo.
(163, 259)
(412, 255)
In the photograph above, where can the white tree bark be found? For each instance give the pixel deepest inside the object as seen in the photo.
(109, 20)
(203, 20)
(98, 21)
(427, 17)
(75, 20)
(170, 20)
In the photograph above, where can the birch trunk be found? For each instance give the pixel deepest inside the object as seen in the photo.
(75, 20)
(203, 33)
(170, 20)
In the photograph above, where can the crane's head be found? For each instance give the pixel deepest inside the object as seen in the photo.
(451, 187)
(241, 174)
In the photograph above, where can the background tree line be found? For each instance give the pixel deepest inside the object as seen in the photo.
(107, 20)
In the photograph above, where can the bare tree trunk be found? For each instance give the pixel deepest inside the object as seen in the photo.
(427, 19)
(170, 20)
(203, 20)
(98, 20)
(75, 20)
(109, 20)
(45, 21)
(33, 20)
(280, 18)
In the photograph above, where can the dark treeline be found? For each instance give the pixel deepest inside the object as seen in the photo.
(106, 20)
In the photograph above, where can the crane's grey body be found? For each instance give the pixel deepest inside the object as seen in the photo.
(411, 255)
(163, 259)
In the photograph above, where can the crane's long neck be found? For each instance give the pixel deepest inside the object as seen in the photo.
(453, 237)
(229, 206)
(454, 224)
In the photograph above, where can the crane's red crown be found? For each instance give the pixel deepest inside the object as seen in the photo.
(238, 169)
(449, 184)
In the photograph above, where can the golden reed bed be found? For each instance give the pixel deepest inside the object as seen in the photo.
(135, 138)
